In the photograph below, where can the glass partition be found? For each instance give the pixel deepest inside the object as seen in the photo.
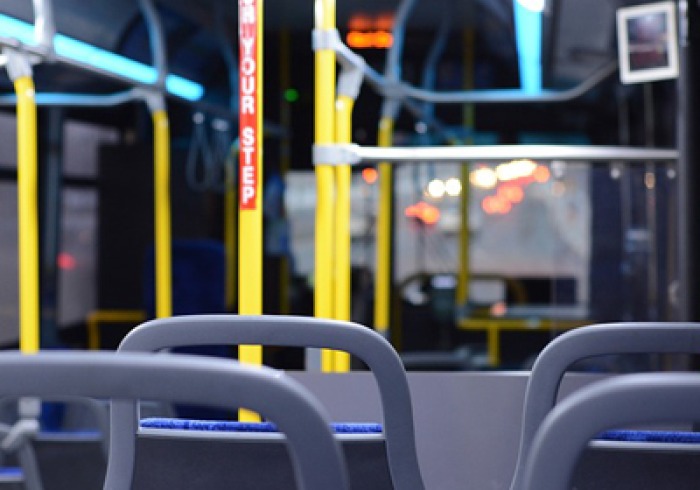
(552, 245)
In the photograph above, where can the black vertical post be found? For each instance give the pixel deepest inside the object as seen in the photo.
(689, 172)
(51, 171)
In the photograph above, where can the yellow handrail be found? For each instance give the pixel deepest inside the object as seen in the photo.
(469, 116)
(27, 214)
(163, 238)
(343, 174)
(382, 292)
(230, 225)
(324, 134)
(96, 317)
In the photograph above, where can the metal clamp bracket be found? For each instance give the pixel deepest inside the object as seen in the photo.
(345, 154)
(18, 64)
(153, 98)
(325, 39)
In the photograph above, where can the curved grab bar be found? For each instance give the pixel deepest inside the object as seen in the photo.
(290, 331)
(590, 341)
(628, 399)
(186, 379)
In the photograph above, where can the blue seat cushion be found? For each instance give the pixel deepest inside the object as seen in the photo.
(10, 472)
(682, 437)
(233, 426)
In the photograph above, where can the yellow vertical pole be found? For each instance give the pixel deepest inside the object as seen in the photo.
(250, 18)
(463, 279)
(382, 288)
(285, 152)
(343, 174)
(324, 134)
(163, 235)
(27, 175)
(230, 225)
(462, 293)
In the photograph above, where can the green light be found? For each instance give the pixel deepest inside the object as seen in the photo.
(291, 95)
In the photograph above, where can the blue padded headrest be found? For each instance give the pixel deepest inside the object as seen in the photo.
(651, 436)
(232, 426)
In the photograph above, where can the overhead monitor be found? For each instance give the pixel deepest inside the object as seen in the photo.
(647, 42)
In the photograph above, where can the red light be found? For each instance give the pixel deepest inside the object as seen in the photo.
(370, 175)
(66, 261)
(498, 309)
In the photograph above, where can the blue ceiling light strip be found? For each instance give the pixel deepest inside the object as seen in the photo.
(104, 60)
(528, 36)
(187, 89)
(23, 32)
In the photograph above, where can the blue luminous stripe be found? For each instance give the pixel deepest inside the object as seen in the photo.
(102, 59)
(10, 27)
(528, 35)
(187, 89)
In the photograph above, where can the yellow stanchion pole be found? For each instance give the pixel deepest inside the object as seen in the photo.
(382, 292)
(285, 152)
(163, 234)
(324, 134)
(343, 174)
(462, 293)
(250, 234)
(27, 175)
(230, 225)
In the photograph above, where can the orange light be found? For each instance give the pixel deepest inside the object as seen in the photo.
(366, 40)
(505, 206)
(359, 40)
(424, 212)
(360, 22)
(430, 214)
(512, 193)
(541, 174)
(383, 39)
(384, 22)
(370, 175)
(496, 205)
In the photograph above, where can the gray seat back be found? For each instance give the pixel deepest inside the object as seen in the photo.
(315, 453)
(290, 331)
(589, 341)
(627, 399)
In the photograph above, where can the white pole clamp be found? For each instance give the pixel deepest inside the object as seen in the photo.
(345, 154)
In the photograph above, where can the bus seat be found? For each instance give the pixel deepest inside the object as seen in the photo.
(397, 447)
